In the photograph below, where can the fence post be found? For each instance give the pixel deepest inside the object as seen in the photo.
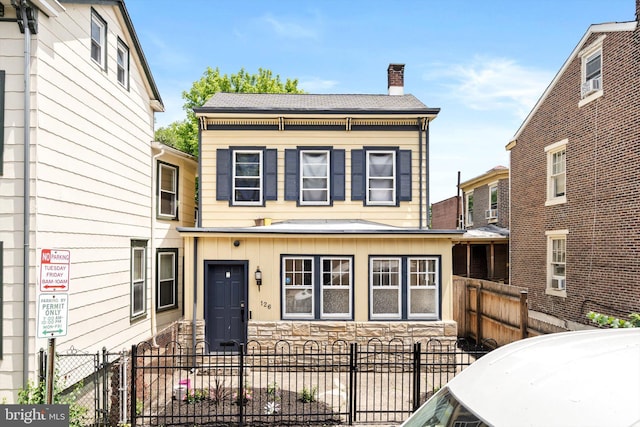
(41, 371)
(416, 375)
(479, 313)
(132, 408)
(241, 385)
(524, 314)
(352, 381)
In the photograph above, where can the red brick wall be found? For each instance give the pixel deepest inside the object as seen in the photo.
(444, 214)
(603, 189)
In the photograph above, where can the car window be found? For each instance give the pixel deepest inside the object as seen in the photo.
(443, 410)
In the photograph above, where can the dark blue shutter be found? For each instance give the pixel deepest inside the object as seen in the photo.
(337, 175)
(2, 80)
(357, 175)
(271, 174)
(223, 174)
(291, 174)
(404, 175)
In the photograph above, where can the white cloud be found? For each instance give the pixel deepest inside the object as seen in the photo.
(493, 84)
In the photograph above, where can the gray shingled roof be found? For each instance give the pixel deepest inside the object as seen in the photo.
(271, 102)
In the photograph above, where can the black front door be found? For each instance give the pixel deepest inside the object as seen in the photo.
(225, 312)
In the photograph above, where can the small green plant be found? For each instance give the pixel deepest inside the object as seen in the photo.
(271, 408)
(272, 391)
(308, 395)
(36, 394)
(139, 406)
(196, 395)
(614, 322)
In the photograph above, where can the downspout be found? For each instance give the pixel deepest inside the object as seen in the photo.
(420, 167)
(426, 151)
(195, 241)
(27, 191)
(154, 205)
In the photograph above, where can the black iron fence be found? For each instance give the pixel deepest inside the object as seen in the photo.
(281, 385)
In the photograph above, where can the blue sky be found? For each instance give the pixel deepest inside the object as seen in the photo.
(484, 63)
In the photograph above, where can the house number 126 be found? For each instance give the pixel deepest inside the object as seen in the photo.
(265, 305)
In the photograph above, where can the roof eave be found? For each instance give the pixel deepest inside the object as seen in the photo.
(595, 28)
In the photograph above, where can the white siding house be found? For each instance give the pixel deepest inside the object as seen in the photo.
(92, 174)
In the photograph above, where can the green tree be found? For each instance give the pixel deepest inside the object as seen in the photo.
(183, 135)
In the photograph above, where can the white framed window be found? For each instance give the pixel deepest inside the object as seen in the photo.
(98, 40)
(556, 262)
(556, 173)
(469, 207)
(298, 296)
(492, 213)
(314, 177)
(138, 278)
(167, 191)
(122, 56)
(247, 177)
(326, 295)
(166, 279)
(381, 177)
(423, 286)
(591, 82)
(385, 280)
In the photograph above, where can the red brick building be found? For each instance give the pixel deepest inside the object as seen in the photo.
(575, 187)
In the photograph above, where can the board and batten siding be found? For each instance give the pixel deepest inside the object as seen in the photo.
(219, 214)
(265, 252)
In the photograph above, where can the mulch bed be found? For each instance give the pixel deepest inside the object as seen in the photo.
(222, 408)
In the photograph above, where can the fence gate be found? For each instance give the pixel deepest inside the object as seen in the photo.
(84, 381)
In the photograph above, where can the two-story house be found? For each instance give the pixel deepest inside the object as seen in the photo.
(482, 252)
(313, 221)
(575, 161)
(79, 175)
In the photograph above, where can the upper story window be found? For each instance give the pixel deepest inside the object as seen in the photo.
(381, 176)
(98, 39)
(556, 173)
(123, 64)
(492, 212)
(307, 295)
(404, 287)
(314, 176)
(591, 72)
(246, 177)
(167, 191)
(469, 208)
(556, 262)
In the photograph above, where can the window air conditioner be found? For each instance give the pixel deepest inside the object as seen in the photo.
(591, 86)
(491, 214)
(558, 284)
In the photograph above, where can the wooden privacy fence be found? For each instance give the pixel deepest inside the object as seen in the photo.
(486, 309)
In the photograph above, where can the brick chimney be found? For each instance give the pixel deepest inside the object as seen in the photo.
(395, 77)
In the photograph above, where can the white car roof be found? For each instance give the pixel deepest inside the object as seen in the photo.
(584, 378)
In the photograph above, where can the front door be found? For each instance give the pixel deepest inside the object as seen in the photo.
(224, 310)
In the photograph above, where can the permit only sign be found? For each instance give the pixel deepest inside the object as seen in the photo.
(53, 310)
(54, 270)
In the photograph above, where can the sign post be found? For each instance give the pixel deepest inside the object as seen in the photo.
(53, 305)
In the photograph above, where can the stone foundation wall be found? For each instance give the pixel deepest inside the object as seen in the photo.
(297, 333)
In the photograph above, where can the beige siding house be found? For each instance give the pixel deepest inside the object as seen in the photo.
(313, 221)
(96, 186)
